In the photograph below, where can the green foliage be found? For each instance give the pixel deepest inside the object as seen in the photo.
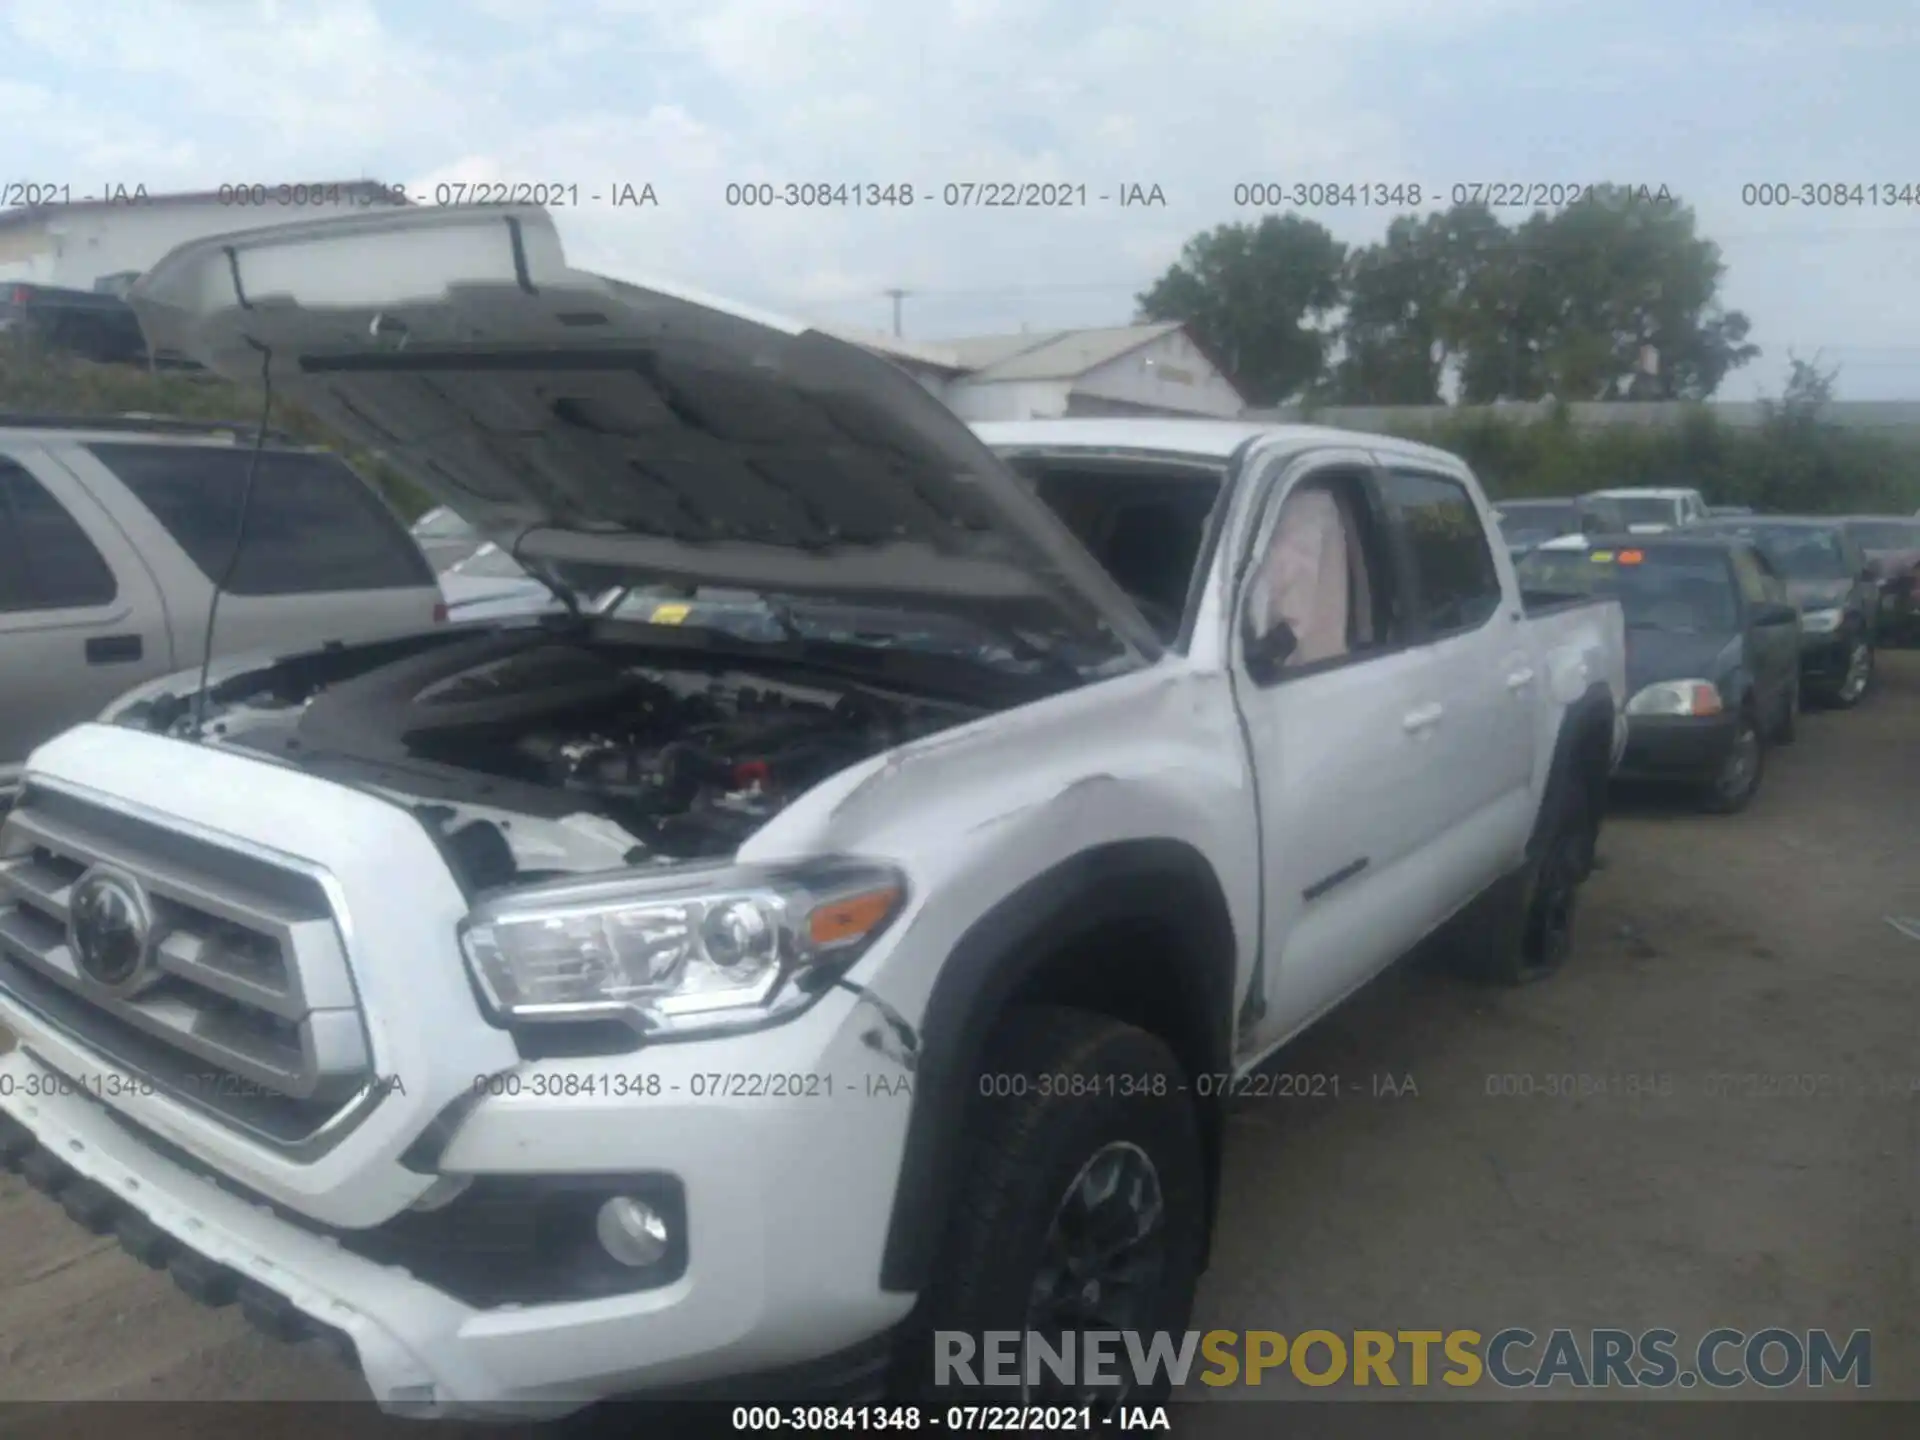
(35, 379)
(1562, 304)
(1411, 306)
(1793, 463)
(1250, 293)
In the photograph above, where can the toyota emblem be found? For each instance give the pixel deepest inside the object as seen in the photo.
(110, 929)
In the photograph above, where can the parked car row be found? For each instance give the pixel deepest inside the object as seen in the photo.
(1526, 523)
(1732, 626)
(1883, 551)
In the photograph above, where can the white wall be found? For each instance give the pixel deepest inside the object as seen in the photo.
(78, 247)
(1008, 399)
(26, 255)
(1168, 374)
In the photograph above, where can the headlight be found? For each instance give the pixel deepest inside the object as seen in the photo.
(1821, 622)
(1677, 697)
(677, 953)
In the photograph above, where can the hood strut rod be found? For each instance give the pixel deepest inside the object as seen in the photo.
(239, 533)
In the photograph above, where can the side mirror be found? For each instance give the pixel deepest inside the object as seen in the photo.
(1776, 615)
(1267, 654)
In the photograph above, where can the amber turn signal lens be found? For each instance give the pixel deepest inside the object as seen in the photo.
(851, 917)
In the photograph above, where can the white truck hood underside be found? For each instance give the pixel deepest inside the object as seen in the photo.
(639, 430)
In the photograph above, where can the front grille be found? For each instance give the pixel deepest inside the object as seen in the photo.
(247, 1009)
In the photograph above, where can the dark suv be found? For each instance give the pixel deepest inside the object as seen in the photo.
(1891, 544)
(1838, 593)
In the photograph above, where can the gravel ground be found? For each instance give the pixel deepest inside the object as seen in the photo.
(1739, 969)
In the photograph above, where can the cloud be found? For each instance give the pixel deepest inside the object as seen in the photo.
(694, 95)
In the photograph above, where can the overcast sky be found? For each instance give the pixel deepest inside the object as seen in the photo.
(1193, 96)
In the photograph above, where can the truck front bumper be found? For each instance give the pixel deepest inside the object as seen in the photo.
(751, 1304)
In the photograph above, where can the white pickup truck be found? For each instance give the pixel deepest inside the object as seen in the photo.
(615, 1002)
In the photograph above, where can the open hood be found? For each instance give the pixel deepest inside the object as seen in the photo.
(617, 433)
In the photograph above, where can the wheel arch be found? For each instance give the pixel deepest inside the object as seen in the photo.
(1581, 765)
(1138, 930)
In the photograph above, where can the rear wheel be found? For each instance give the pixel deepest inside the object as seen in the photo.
(1521, 930)
(1083, 1206)
(1734, 784)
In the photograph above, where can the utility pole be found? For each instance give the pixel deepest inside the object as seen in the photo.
(896, 296)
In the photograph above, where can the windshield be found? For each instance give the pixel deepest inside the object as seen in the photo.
(1688, 592)
(1645, 509)
(772, 619)
(1887, 534)
(1538, 520)
(490, 562)
(1799, 552)
(441, 524)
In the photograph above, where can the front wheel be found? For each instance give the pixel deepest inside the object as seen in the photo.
(1858, 678)
(1082, 1209)
(1734, 784)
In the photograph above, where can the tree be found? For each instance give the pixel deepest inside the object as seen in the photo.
(1251, 294)
(1570, 304)
(1407, 306)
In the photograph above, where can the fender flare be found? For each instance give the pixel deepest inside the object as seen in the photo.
(1149, 880)
(1586, 725)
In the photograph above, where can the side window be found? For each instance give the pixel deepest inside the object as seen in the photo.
(13, 565)
(1751, 578)
(312, 524)
(1323, 570)
(46, 560)
(1453, 564)
(1776, 583)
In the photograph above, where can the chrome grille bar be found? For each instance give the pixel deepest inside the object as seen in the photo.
(248, 990)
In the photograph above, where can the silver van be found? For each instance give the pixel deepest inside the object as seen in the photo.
(113, 532)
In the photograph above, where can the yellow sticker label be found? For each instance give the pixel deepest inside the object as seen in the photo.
(1602, 557)
(669, 614)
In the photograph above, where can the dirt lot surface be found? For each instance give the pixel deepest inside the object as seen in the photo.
(1740, 970)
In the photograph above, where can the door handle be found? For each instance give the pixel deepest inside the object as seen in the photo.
(1519, 680)
(1423, 718)
(113, 649)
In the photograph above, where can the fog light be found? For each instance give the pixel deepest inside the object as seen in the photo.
(632, 1231)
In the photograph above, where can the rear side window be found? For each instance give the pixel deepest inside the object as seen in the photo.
(312, 524)
(46, 560)
(1752, 577)
(1459, 586)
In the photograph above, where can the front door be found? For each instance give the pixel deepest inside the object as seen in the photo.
(1339, 742)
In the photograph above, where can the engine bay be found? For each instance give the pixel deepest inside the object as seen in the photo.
(690, 763)
(529, 754)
